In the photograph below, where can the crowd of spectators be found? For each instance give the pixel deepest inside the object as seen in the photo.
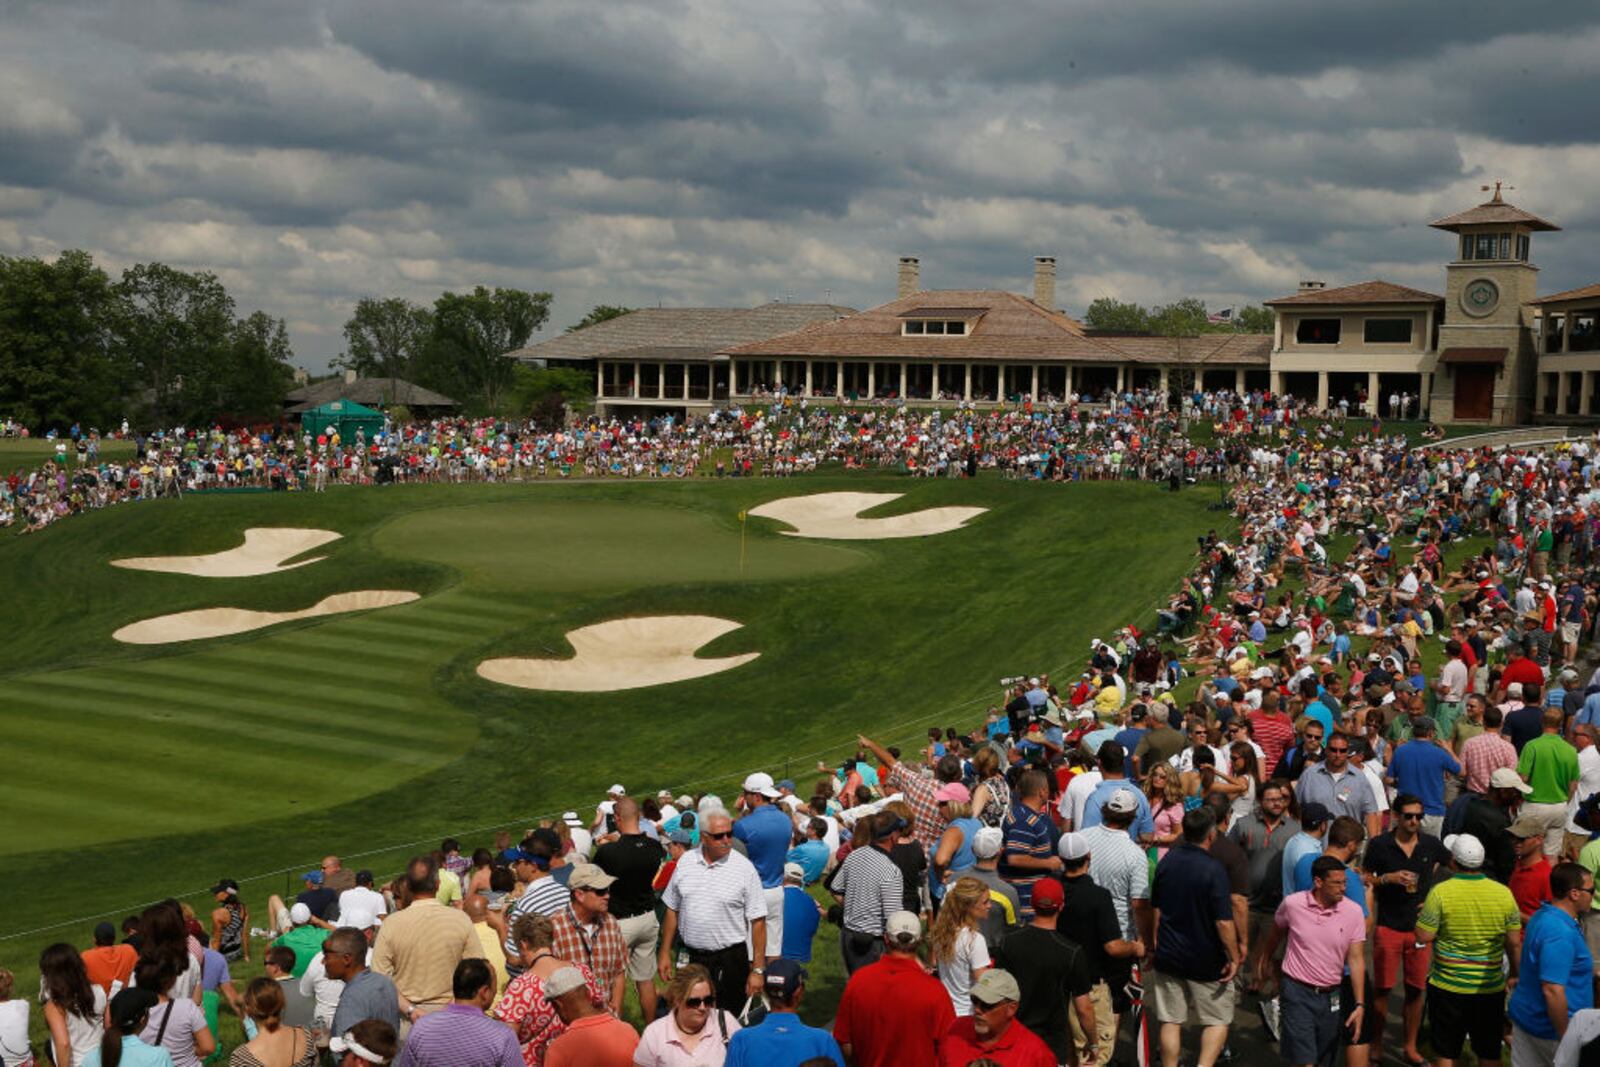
(1355, 755)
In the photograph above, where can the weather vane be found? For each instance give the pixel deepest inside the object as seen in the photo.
(1498, 182)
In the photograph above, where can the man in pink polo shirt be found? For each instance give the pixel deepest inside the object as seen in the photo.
(1326, 932)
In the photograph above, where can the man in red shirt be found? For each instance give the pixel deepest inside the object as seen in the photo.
(992, 1031)
(1519, 668)
(1272, 729)
(1530, 878)
(893, 1011)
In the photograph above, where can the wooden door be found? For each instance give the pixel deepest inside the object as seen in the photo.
(1474, 392)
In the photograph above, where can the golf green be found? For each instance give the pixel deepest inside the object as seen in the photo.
(137, 772)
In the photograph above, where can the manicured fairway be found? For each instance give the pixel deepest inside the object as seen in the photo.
(18, 454)
(139, 772)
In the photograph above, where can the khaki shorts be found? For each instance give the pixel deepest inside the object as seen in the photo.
(1105, 1037)
(1569, 633)
(641, 933)
(1170, 999)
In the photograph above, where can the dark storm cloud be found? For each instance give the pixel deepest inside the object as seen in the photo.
(728, 151)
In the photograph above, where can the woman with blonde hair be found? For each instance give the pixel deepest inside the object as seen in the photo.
(953, 854)
(697, 1029)
(1163, 788)
(274, 1045)
(958, 948)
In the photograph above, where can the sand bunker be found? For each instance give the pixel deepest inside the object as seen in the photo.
(834, 516)
(264, 550)
(224, 622)
(623, 654)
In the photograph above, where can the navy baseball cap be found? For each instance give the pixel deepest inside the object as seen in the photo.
(785, 977)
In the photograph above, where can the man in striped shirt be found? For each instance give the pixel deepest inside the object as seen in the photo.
(461, 1035)
(1486, 753)
(1031, 836)
(542, 895)
(871, 888)
(716, 901)
(1473, 924)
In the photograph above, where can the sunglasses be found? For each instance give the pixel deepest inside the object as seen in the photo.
(980, 1006)
(1335, 751)
(717, 837)
(1411, 814)
(606, 892)
(700, 1002)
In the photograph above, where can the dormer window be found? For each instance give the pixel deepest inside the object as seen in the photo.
(934, 327)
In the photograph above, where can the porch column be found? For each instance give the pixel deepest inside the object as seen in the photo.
(808, 377)
(633, 387)
(902, 389)
(1322, 390)
(1238, 380)
(1566, 331)
(1373, 407)
(966, 382)
(1033, 382)
(1585, 392)
(1163, 387)
(1121, 368)
(872, 379)
(1563, 389)
(838, 378)
(1541, 391)
(1425, 401)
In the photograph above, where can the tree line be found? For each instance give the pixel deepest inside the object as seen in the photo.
(1181, 318)
(158, 346)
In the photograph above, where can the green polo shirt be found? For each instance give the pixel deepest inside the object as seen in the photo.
(306, 941)
(1471, 916)
(1549, 764)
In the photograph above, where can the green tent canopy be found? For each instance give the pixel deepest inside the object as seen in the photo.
(346, 417)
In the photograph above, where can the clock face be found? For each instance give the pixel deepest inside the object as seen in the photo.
(1480, 297)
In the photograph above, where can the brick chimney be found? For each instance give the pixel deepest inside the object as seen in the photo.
(1044, 282)
(910, 276)
(1310, 286)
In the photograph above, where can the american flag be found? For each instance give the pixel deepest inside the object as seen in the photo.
(1220, 317)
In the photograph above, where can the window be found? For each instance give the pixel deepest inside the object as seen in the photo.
(1505, 246)
(1485, 249)
(1466, 246)
(1387, 331)
(936, 327)
(1317, 332)
(1522, 247)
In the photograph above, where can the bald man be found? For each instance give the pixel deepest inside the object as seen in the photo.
(489, 934)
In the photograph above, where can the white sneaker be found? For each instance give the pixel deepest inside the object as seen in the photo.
(1269, 1016)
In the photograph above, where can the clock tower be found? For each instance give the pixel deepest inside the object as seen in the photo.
(1487, 355)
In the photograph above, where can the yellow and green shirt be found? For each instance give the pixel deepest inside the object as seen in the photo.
(1470, 916)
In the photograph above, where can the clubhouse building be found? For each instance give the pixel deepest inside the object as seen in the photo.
(1487, 350)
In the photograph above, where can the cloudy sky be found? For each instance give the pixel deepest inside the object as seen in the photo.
(726, 152)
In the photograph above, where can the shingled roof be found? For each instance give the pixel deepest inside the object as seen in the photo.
(1494, 211)
(679, 333)
(1003, 326)
(1375, 291)
(372, 392)
(1587, 292)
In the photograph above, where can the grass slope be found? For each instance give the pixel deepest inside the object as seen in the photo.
(371, 736)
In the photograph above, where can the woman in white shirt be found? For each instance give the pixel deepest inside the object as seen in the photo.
(958, 948)
(74, 1008)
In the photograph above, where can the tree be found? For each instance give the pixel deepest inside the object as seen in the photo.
(258, 371)
(547, 393)
(1253, 320)
(1185, 317)
(55, 368)
(383, 337)
(473, 336)
(1116, 316)
(171, 330)
(599, 313)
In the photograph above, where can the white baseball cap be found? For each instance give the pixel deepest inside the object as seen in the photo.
(1506, 778)
(761, 782)
(1466, 850)
(360, 918)
(299, 914)
(617, 791)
